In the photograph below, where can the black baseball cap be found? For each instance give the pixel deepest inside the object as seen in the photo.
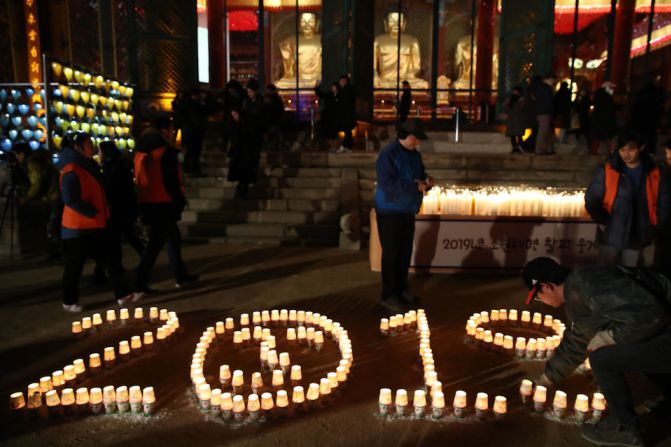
(414, 127)
(542, 270)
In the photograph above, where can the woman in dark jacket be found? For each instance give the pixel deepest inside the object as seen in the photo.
(243, 165)
(517, 119)
(328, 112)
(604, 123)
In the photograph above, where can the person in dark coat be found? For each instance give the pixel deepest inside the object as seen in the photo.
(405, 103)
(618, 318)
(195, 120)
(629, 198)
(244, 157)
(161, 197)
(275, 115)
(346, 100)
(562, 110)
(646, 114)
(328, 112)
(582, 107)
(603, 126)
(517, 119)
(120, 189)
(542, 95)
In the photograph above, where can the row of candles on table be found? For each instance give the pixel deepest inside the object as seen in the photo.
(581, 408)
(268, 401)
(57, 392)
(95, 322)
(533, 348)
(504, 201)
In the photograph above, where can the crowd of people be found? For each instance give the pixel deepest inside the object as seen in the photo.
(554, 115)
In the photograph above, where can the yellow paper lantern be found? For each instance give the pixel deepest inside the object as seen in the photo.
(64, 89)
(74, 125)
(94, 128)
(103, 100)
(57, 69)
(74, 94)
(86, 127)
(115, 85)
(94, 99)
(85, 96)
(117, 104)
(90, 113)
(110, 131)
(129, 92)
(69, 109)
(126, 104)
(131, 143)
(80, 110)
(68, 73)
(99, 81)
(79, 76)
(57, 139)
(115, 117)
(121, 144)
(122, 89)
(59, 106)
(119, 130)
(87, 78)
(129, 121)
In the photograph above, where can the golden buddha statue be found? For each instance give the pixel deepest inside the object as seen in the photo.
(387, 60)
(309, 55)
(462, 59)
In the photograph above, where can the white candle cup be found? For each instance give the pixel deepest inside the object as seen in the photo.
(313, 395)
(124, 350)
(135, 399)
(559, 404)
(82, 401)
(525, 320)
(69, 375)
(122, 402)
(271, 342)
(341, 374)
(153, 314)
(238, 381)
(581, 408)
(384, 326)
(226, 406)
(267, 405)
(225, 376)
(537, 320)
(244, 319)
(526, 391)
(257, 383)
(318, 340)
(97, 321)
(136, 345)
(273, 359)
(237, 340)
(531, 349)
(302, 335)
(481, 405)
(253, 407)
(460, 403)
(419, 403)
(263, 356)
(437, 404)
(325, 390)
(110, 316)
(296, 375)
(298, 398)
(77, 329)
(384, 401)
(500, 407)
(204, 396)
(285, 362)
(284, 317)
(96, 401)
(149, 401)
(540, 398)
(148, 340)
(401, 402)
(513, 317)
(163, 315)
(53, 402)
(541, 348)
(598, 406)
(246, 336)
(124, 316)
(293, 316)
(282, 403)
(138, 314)
(291, 335)
(87, 324)
(238, 408)
(265, 317)
(109, 399)
(68, 401)
(46, 384)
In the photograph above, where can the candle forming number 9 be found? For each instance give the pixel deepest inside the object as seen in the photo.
(397, 407)
(241, 398)
(61, 393)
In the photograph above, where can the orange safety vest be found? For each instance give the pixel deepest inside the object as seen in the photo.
(92, 192)
(149, 177)
(651, 189)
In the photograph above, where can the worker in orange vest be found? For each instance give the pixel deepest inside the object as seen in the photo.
(84, 221)
(630, 200)
(160, 191)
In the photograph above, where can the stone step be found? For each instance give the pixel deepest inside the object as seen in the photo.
(304, 205)
(270, 182)
(263, 193)
(273, 241)
(242, 216)
(265, 230)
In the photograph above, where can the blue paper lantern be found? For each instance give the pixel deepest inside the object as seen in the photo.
(32, 121)
(16, 121)
(11, 108)
(24, 109)
(27, 134)
(38, 134)
(58, 121)
(16, 94)
(13, 133)
(4, 120)
(37, 106)
(43, 120)
(5, 144)
(43, 94)
(57, 92)
(30, 92)
(34, 145)
(3, 94)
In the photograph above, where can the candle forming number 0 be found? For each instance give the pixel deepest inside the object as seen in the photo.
(242, 399)
(57, 394)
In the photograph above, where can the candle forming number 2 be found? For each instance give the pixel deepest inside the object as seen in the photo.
(59, 394)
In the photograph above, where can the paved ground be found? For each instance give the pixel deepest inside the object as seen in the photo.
(35, 340)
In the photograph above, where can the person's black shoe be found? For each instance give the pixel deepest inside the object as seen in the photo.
(186, 281)
(410, 298)
(606, 432)
(394, 303)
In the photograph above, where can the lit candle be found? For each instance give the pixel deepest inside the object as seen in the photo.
(559, 404)
(226, 406)
(526, 390)
(460, 403)
(230, 324)
(273, 360)
(302, 335)
(58, 378)
(300, 317)
(246, 335)
(160, 335)
(500, 406)
(274, 316)
(520, 346)
(319, 340)
(263, 356)
(53, 403)
(278, 379)
(285, 362)
(284, 316)
(541, 348)
(124, 315)
(341, 373)
(95, 400)
(97, 322)
(46, 384)
(271, 342)
(537, 319)
(526, 318)
(324, 388)
(581, 407)
(282, 401)
(298, 397)
(265, 317)
(238, 407)
(238, 381)
(153, 314)
(512, 316)
(291, 335)
(503, 315)
(68, 401)
(311, 335)
(253, 407)
(548, 322)
(244, 319)
(313, 394)
(257, 382)
(498, 340)
(109, 399)
(481, 404)
(384, 326)
(296, 375)
(136, 344)
(267, 404)
(484, 317)
(77, 328)
(531, 348)
(138, 314)
(82, 400)
(540, 397)
(163, 315)
(293, 316)
(69, 374)
(134, 398)
(419, 403)
(598, 405)
(508, 343)
(384, 401)
(256, 319)
(494, 316)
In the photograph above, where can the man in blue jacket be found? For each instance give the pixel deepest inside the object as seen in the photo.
(401, 182)
(629, 198)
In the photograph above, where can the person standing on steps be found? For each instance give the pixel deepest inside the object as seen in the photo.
(160, 190)
(84, 221)
(405, 103)
(243, 164)
(517, 120)
(401, 183)
(346, 101)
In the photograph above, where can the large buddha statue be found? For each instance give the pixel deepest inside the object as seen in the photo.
(309, 55)
(387, 59)
(462, 60)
